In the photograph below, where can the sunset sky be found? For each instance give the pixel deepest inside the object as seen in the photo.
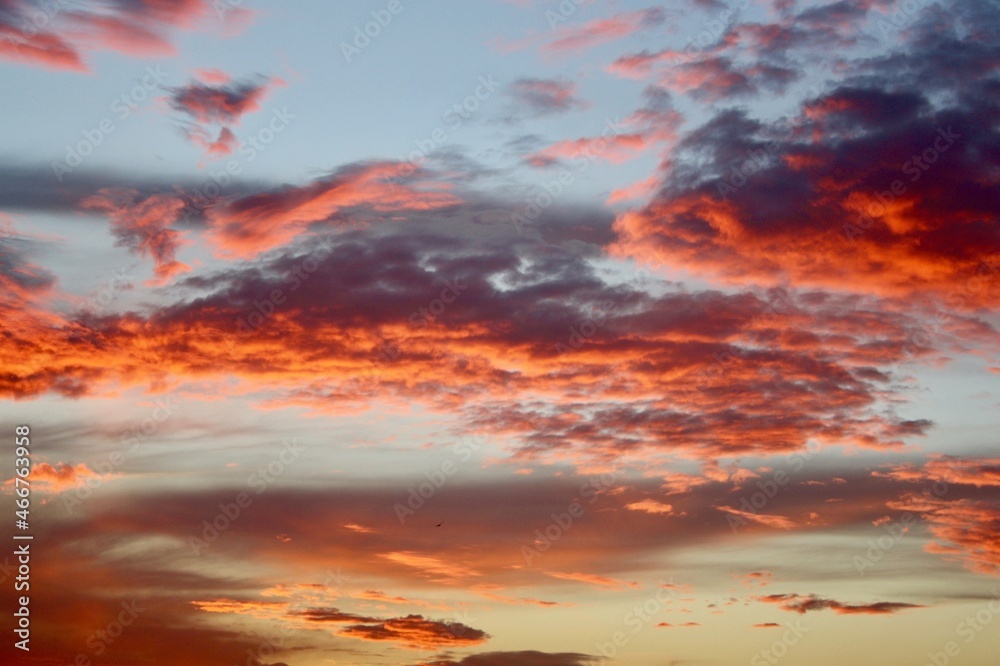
(502, 332)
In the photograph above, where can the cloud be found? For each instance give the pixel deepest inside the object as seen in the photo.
(654, 124)
(713, 79)
(56, 478)
(222, 145)
(143, 226)
(20, 279)
(57, 36)
(691, 353)
(521, 658)
(592, 579)
(965, 529)
(250, 225)
(542, 97)
(978, 472)
(222, 103)
(413, 631)
(757, 579)
(576, 38)
(601, 31)
(801, 604)
(217, 99)
(808, 198)
(650, 506)
(777, 522)
(433, 568)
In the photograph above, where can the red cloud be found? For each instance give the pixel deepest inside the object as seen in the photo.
(42, 49)
(142, 225)
(966, 530)
(978, 472)
(602, 31)
(57, 36)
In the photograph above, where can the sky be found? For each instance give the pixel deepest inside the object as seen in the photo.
(534, 332)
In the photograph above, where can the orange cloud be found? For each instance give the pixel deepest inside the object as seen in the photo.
(777, 522)
(433, 568)
(142, 225)
(247, 226)
(965, 530)
(592, 579)
(650, 506)
(978, 472)
(413, 631)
